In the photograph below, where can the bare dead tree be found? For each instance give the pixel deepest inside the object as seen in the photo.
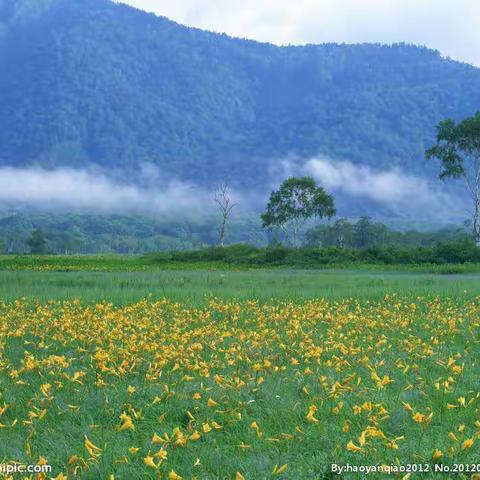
(225, 204)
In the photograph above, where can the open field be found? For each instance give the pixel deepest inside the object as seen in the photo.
(440, 259)
(258, 374)
(196, 287)
(240, 390)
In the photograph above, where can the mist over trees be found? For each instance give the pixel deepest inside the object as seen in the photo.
(239, 107)
(82, 233)
(366, 233)
(37, 242)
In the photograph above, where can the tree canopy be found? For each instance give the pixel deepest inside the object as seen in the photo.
(458, 149)
(297, 200)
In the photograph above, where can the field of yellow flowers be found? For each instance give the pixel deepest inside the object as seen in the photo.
(239, 390)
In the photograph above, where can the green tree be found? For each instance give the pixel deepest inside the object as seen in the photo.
(37, 242)
(297, 200)
(364, 236)
(458, 149)
(343, 232)
(340, 235)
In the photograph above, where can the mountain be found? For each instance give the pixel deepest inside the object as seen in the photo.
(92, 82)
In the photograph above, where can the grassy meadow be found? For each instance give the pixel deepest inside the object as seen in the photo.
(148, 373)
(127, 279)
(198, 286)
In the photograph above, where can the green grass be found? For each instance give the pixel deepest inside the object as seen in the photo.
(204, 260)
(410, 338)
(356, 365)
(194, 287)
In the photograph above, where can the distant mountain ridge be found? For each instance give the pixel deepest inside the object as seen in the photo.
(91, 82)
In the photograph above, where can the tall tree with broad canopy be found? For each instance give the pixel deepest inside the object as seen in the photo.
(458, 149)
(296, 201)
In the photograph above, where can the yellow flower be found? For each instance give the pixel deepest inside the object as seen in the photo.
(421, 418)
(311, 414)
(162, 454)
(351, 447)
(452, 436)
(336, 410)
(194, 436)
(133, 450)
(157, 439)
(174, 476)
(149, 461)
(254, 426)
(279, 470)
(127, 422)
(92, 449)
(206, 428)
(362, 439)
(239, 476)
(437, 454)
(131, 390)
(467, 443)
(212, 403)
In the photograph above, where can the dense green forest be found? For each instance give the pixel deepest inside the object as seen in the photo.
(87, 233)
(446, 253)
(94, 82)
(126, 234)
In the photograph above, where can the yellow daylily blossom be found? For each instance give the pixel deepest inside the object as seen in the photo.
(127, 422)
(437, 454)
(92, 449)
(174, 476)
(468, 443)
(149, 461)
(351, 447)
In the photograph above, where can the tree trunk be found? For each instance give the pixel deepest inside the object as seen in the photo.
(222, 232)
(476, 223)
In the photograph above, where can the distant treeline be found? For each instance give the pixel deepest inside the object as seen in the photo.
(455, 252)
(137, 234)
(80, 233)
(366, 233)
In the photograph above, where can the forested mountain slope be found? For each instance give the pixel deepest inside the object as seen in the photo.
(93, 82)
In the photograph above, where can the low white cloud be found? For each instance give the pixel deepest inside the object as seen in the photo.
(450, 26)
(64, 189)
(395, 189)
(81, 189)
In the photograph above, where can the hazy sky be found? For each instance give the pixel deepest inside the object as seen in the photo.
(451, 26)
